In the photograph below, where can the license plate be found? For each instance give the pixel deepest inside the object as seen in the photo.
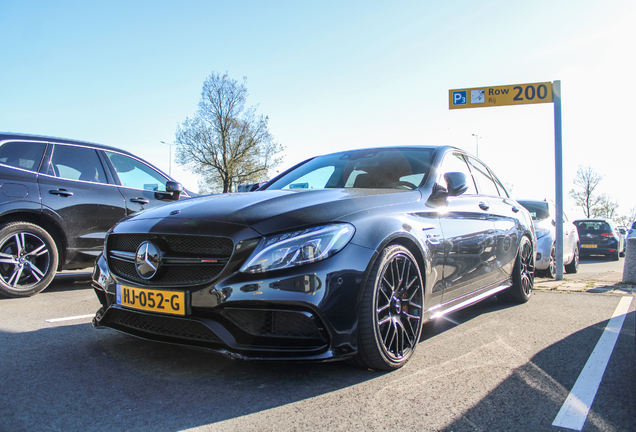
(162, 301)
(589, 246)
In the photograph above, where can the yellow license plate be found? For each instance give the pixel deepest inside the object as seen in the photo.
(589, 246)
(153, 300)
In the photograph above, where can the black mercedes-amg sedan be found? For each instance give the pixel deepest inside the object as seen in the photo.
(345, 255)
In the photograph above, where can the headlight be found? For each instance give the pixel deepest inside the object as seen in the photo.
(542, 233)
(298, 247)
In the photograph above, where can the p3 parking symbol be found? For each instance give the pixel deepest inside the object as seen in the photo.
(459, 97)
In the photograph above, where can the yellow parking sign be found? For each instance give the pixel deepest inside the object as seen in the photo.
(516, 94)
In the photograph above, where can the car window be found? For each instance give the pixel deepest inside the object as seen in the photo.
(378, 168)
(593, 226)
(485, 183)
(23, 155)
(537, 209)
(135, 174)
(76, 163)
(454, 162)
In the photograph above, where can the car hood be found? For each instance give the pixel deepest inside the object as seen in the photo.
(275, 210)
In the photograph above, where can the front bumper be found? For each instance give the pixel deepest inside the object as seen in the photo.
(544, 248)
(306, 313)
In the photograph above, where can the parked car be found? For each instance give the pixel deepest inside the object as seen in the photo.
(631, 232)
(59, 198)
(599, 237)
(623, 232)
(342, 256)
(544, 216)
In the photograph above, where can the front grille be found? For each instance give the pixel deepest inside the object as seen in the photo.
(158, 325)
(177, 275)
(178, 244)
(273, 323)
(195, 259)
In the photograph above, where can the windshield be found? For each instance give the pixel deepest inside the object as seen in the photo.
(396, 168)
(538, 209)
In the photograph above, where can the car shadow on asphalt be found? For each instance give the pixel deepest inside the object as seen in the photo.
(77, 365)
(70, 281)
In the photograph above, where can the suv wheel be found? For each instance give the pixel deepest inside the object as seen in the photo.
(28, 259)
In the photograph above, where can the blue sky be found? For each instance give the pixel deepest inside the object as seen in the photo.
(332, 75)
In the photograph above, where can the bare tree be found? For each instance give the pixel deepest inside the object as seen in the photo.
(226, 143)
(587, 180)
(606, 208)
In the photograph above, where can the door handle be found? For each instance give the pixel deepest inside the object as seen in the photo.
(515, 209)
(483, 206)
(61, 192)
(140, 200)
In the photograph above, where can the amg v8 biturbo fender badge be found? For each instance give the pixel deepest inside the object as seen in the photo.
(148, 260)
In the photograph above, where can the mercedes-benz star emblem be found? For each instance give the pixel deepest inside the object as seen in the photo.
(148, 260)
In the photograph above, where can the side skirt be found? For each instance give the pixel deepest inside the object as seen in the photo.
(452, 306)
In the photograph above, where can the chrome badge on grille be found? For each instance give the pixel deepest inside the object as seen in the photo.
(148, 260)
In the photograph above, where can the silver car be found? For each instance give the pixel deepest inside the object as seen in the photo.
(543, 214)
(631, 232)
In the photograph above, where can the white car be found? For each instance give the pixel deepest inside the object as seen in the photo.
(543, 214)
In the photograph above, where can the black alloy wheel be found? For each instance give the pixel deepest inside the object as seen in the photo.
(522, 274)
(391, 311)
(28, 259)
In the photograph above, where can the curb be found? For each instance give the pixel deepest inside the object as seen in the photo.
(589, 286)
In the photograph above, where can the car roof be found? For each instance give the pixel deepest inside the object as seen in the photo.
(10, 136)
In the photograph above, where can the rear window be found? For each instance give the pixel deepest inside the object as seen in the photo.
(592, 226)
(23, 155)
(537, 209)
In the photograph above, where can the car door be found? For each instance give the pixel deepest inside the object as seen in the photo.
(503, 212)
(469, 235)
(76, 193)
(141, 185)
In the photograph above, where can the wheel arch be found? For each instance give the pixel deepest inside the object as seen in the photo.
(45, 223)
(410, 243)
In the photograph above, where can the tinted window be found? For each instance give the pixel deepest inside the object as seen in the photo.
(592, 226)
(539, 210)
(76, 163)
(135, 174)
(485, 183)
(378, 168)
(455, 162)
(23, 155)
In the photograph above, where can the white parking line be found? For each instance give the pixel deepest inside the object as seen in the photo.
(577, 405)
(54, 320)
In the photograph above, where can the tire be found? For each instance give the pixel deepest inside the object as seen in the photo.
(615, 256)
(390, 320)
(522, 274)
(550, 272)
(573, 267)
(28, 259)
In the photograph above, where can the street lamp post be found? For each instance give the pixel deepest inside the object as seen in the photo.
(476, 144)
(169, 157)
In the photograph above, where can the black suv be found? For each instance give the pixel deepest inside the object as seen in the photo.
(59, 197)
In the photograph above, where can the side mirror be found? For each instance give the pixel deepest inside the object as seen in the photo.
(175, 189)
(457, 183)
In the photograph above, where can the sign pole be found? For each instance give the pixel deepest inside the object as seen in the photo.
(558, 174)
(519, 94)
